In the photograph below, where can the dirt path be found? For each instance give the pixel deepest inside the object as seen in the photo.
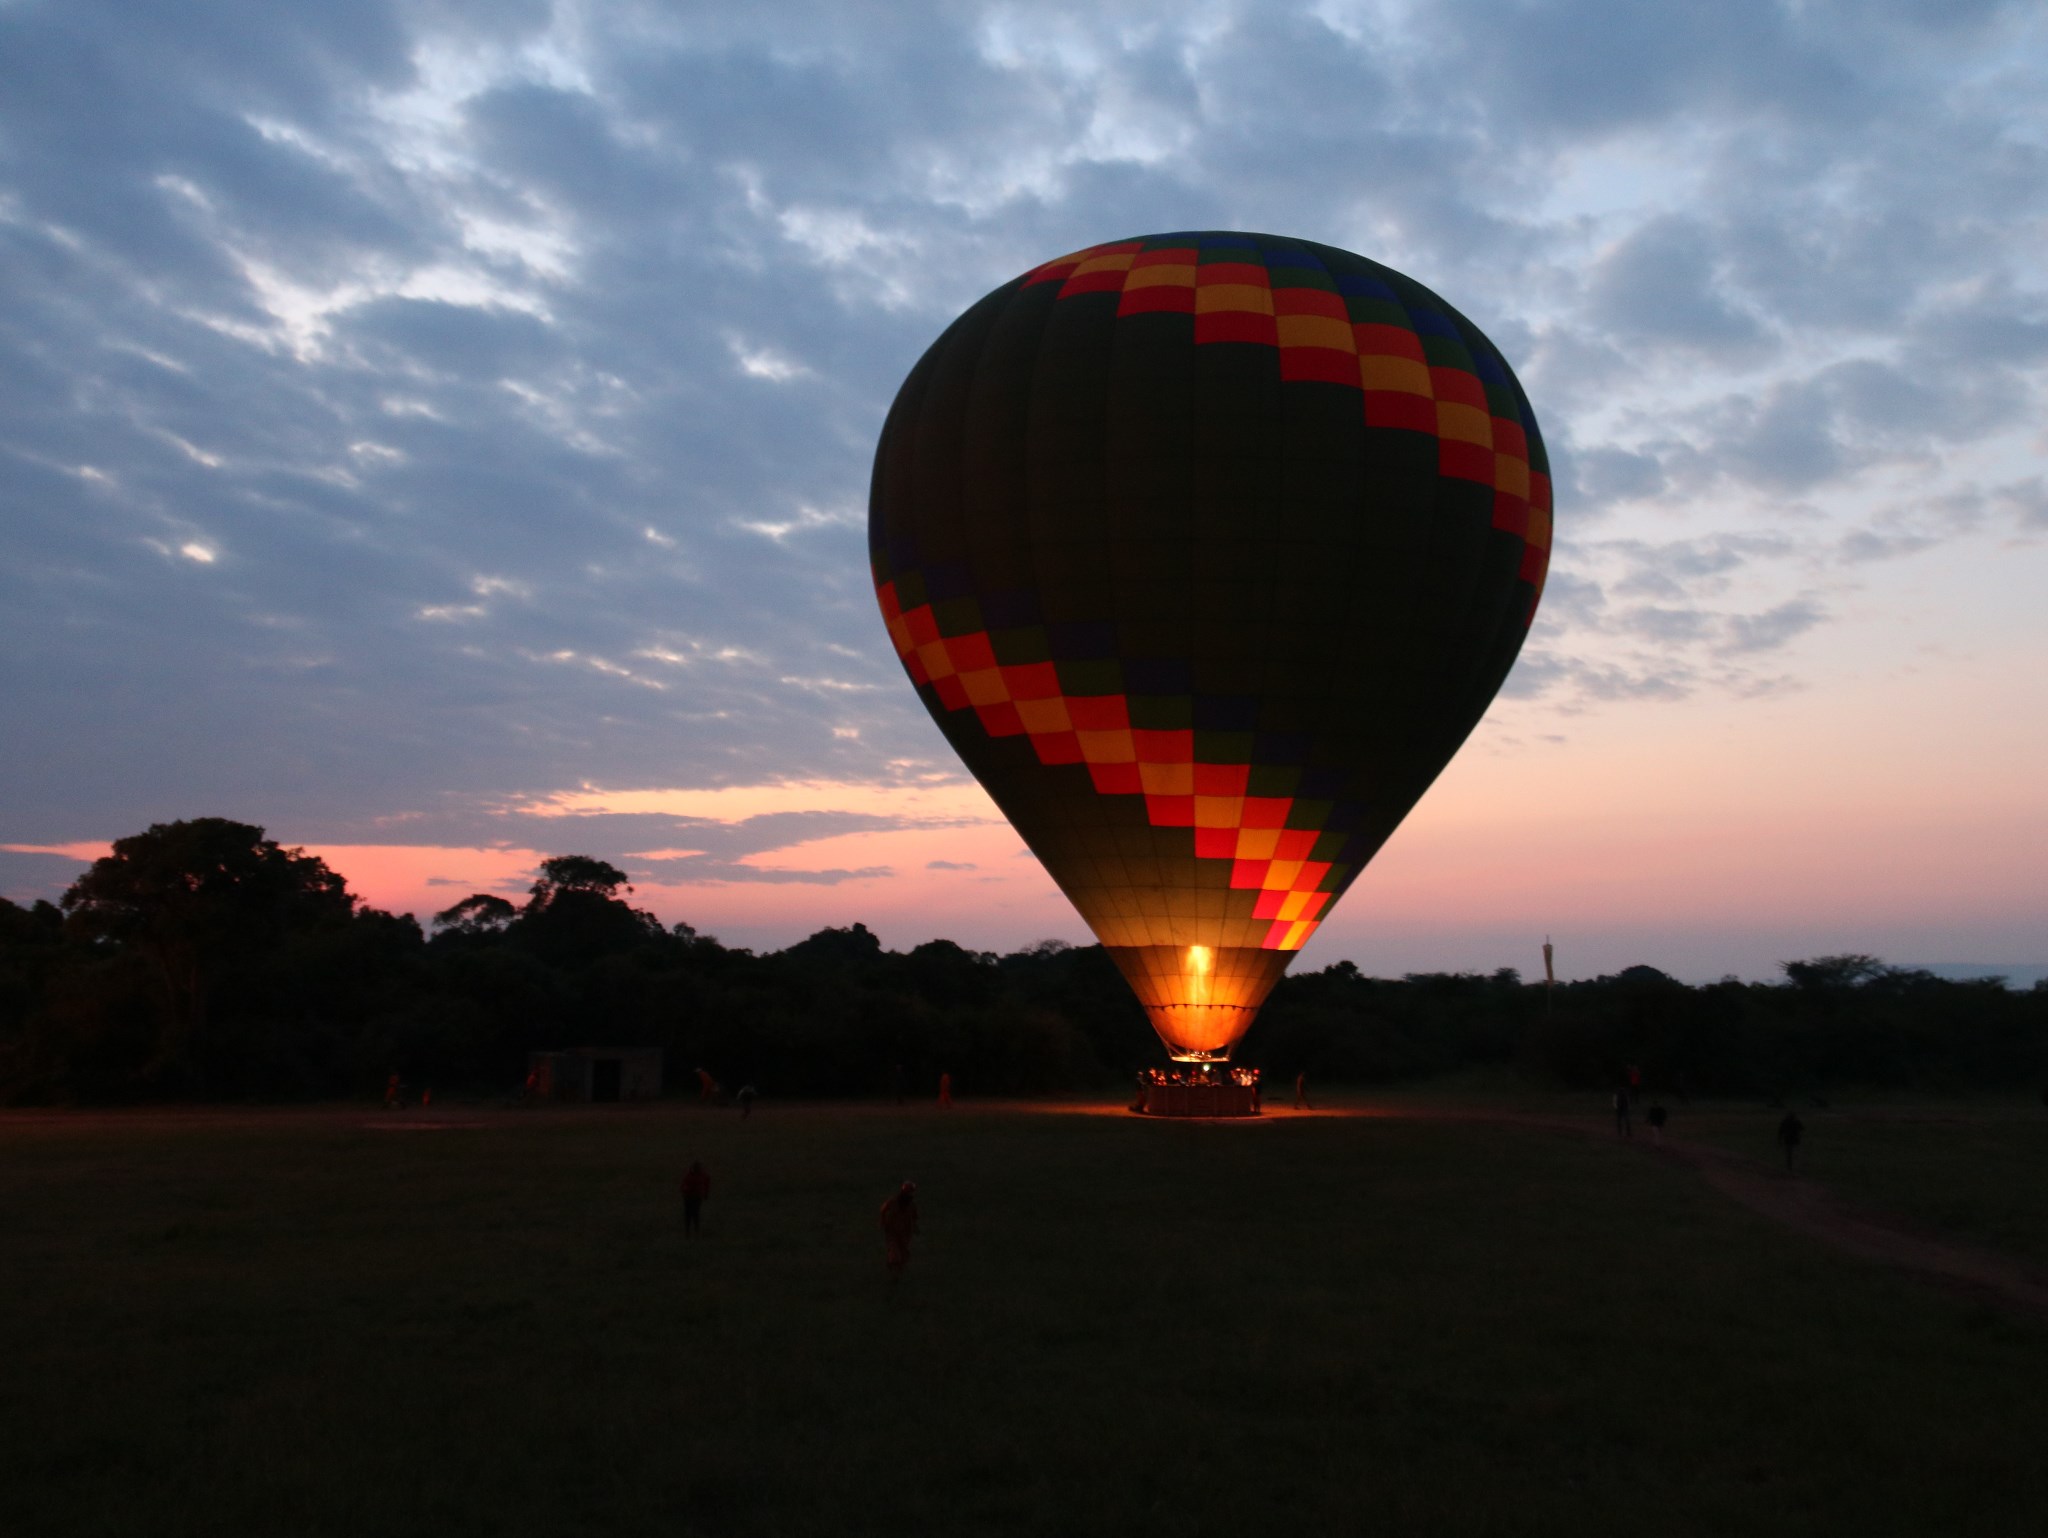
(1815, 1211)
(1795, 1202)
(1810, 1209)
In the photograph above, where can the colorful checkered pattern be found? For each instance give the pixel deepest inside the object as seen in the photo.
(1266, 856)
(1410, 364)
(1206, 551)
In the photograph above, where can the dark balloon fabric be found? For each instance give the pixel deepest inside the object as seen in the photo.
(1206, 551)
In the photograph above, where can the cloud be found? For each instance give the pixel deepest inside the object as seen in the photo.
(1573, 684)
(1658, 287)
(1860, 545)
(1774, 627)
(716, 872)
(2026, 501)
(421, 409)
(1635, 620)
(746, 833)
(1667, 625)
(1605, 475)
(1594, 66)
(465, 341)
(1908, 528)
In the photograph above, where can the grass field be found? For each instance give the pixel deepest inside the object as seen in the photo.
(1976, 1171)
(330, 1322)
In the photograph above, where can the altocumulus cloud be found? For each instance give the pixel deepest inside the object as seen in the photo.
(410, 411)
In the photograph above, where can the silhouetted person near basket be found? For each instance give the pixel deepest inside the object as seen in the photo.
(696, 1191)
(1622, 1127)
(745, 1100)
(899, 1227)
(1790, 1131)
(1301, 1092)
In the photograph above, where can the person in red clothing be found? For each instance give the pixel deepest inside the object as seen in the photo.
(945, 1092)
(696, 1188)
(899, 1227)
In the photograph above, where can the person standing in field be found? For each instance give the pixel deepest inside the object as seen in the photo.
(945, 1092)
(1656, 1121)
(1622, 1128)
(1790, 1131)
(696, 1191)
(1301, 1092)
(899, 1227)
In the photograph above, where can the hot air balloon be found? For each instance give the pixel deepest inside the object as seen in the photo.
(1206, 551)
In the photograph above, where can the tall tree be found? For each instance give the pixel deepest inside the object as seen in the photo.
(575, 915)
(481, 913)
(574, 873)
(189, 898)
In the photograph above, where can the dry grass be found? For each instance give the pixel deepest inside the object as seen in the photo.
(315, 1324)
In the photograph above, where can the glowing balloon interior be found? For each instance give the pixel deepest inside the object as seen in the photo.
(1206, 552)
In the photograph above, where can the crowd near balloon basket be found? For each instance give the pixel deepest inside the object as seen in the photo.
(1198, 1089)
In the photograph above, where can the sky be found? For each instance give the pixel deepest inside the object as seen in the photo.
(440, 433)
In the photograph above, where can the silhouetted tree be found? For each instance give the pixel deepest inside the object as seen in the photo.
(477, 915)
(574, 917)
(1845, 971)
(190, 899)
(853, 946)
(203, 956)
(574, 873)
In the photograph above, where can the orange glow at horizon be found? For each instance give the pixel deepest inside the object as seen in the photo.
(950, 796)
(1897, 798)
(87, 851)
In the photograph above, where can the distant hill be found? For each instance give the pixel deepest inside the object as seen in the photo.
(1964, 971)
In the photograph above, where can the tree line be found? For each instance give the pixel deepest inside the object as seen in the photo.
(202, 960)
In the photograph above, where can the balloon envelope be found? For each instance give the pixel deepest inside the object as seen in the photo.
(1206, 551)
